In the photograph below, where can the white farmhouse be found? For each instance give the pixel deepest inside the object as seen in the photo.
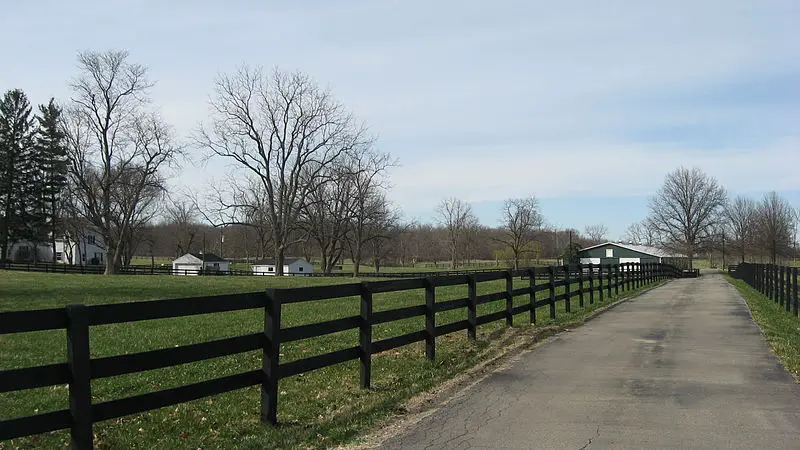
(86, 250)
(193, 263)
(291, 267)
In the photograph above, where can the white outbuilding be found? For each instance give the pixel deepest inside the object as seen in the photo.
(291, 267)
(194, 263)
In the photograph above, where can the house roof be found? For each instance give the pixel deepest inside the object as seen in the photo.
(198, 258)
(208, 257)
(271, 262)
(646, 249)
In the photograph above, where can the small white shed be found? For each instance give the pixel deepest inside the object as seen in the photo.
(291, 267)
(192, 263)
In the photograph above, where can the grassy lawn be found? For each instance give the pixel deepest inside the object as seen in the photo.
(317, 409)
(782, 329)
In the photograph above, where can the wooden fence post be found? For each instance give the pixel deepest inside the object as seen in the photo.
(628, 275)
(771, 281)
(567, 281)
(608, 284)
(775, 295)
(430, 319)
(472, 307)
(788, 289)
(639, 275)
(80, 385)
(781, 285)
(591, 283)
(600, 282)
(796, 299)
(365, 336)
(552, 285)
(532, 295)
(580, 285)
(269, 383)
(509, 298)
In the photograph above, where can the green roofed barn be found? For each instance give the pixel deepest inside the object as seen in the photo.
(618, 253)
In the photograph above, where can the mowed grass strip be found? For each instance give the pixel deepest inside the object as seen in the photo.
(781, 329)
(316, 410)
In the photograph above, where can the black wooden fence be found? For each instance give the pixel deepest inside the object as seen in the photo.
(80, 369)
(778, 283)
(168, 270)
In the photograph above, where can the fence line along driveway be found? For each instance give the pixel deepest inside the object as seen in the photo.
(682, 366)
(80, 369)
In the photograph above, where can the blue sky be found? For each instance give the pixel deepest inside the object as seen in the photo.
(585, 104)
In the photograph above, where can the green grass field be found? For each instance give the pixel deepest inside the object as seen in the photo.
(781, 329)
(317, 409)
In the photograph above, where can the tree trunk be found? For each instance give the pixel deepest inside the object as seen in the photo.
(111, 268)
(357, 263)
(326, 270)
(357, 258)
(279, 258)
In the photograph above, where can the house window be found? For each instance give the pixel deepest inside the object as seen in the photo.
(90, 239)
(58, 256)
(270, 269)
(83, 257)
(300, 268)
(609, 253)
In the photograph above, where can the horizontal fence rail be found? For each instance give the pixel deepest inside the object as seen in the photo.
(778, 283)
(80, 369)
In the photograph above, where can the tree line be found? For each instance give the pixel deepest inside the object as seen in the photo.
(692, 214)
(307, 177)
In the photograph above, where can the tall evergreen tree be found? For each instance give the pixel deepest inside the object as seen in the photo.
(51, 174)
(16, 144)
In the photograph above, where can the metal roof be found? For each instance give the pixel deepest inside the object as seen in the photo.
(646, 249)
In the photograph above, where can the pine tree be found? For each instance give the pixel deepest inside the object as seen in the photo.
(51, 174)
(16, 145)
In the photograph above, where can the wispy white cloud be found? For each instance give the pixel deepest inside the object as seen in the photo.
(590, 169)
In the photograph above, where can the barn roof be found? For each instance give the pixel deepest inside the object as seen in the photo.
(646, 249)
(198, 258)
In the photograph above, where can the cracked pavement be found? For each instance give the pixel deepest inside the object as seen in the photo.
(682, 366)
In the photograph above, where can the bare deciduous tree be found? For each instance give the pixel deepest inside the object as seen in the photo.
(457, 218)
(596, 233)
(371, 215)
(284, 131)
(117, 147)
(183, 216)
(740, 218)
(641, 233)
(775, 219)
(686, 209)
(521, 220)
(326, 217)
